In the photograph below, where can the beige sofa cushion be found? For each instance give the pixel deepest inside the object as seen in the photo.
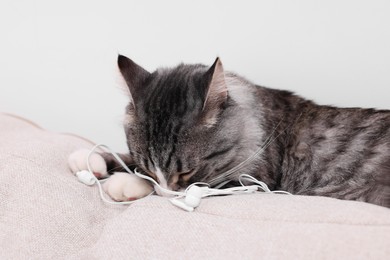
(45, 213)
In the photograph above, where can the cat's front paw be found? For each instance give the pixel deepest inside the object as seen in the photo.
(126, 187)
(78, 162)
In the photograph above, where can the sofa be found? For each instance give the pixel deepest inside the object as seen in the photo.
(46, 213)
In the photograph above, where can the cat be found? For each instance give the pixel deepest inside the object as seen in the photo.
(192, 123)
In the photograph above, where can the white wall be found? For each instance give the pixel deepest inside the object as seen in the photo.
(57, 58)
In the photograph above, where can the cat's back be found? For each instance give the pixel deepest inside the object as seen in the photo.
(342, 152)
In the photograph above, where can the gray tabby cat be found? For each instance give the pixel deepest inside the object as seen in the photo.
(193, 123)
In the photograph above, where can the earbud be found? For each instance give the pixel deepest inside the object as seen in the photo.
(191, 200)
(181, 204)
(193, 196)
(86, 177)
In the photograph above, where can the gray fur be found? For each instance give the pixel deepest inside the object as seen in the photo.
(182, 122)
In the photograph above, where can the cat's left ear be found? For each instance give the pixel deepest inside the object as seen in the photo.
(216, 93)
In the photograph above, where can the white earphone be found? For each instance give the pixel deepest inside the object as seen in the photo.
(191, 200)
(192, 195)
(86, 177)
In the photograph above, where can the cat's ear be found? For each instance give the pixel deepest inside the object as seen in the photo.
(215, 93)
(133, 74)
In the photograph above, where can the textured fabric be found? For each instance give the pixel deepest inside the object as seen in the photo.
(45, 213)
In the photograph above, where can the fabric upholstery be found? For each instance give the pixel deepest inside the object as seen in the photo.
(45, 213)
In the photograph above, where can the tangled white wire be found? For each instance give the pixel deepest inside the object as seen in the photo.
(192, 195)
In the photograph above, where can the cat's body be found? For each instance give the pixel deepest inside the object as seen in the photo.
(337, 152)
(193, 123)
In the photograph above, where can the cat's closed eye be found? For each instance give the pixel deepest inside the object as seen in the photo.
(185, 176)
(179, 178)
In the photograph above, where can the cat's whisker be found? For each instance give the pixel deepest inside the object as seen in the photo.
(137, 153)
(223, 177)
(269, 140)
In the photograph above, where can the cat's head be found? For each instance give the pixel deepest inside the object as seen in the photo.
(175, 122)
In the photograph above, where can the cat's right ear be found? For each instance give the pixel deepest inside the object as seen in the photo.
(133, 74)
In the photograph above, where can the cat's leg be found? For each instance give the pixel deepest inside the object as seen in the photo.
(102, 164)
(121, 186)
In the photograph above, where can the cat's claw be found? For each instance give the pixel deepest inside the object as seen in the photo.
(78, 161)
(123, 186)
